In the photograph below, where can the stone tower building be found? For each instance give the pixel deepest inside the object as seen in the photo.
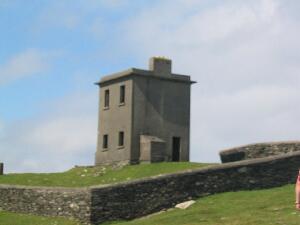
(144, 115)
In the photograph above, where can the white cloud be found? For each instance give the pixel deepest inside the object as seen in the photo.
(98, 27)
(24, 64)
(1, 129)
(77, 15)
(64, 136)
(244, 54)
(245, 57)
(67, 134)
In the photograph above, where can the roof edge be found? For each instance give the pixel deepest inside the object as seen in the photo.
(135, 71)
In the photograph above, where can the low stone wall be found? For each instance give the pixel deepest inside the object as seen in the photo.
(73, 203)
(1, 168)
(258, 150)
(138, 198)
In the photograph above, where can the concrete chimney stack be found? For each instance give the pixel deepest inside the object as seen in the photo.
(160, 66)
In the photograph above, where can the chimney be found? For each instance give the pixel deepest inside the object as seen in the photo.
(160, 66)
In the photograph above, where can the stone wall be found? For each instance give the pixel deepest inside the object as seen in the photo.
(73, 203)
(138, 198)
(1, 168)
(259, 150)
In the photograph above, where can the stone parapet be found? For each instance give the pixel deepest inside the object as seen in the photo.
(258, 150)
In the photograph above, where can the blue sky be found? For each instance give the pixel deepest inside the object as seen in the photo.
(244, 54)
(65, 50)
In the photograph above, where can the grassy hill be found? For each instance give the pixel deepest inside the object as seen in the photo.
(264, 207)
(88, 176)
(8, 218)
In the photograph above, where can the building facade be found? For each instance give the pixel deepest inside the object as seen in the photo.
(144, 115)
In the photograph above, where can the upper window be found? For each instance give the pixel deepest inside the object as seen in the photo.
(106, 98)
(122, 94)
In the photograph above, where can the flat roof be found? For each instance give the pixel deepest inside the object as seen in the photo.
(145, 73)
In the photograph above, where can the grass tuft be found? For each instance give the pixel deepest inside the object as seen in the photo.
(8, 218)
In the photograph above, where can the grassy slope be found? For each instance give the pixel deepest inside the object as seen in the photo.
(265, 207)
(7, 218)
(80, 177)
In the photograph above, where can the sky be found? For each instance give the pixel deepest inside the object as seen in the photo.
(244, 56)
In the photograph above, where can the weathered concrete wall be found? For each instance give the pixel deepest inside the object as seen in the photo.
(151, 149)
(1, 168)
(161, 108)
(112, 120)
(64, 202)
(259, 150)
(157, 103)
(138, 198)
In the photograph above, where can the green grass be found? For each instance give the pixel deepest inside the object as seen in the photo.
(265, 207)
(82, 177)
(7, 218)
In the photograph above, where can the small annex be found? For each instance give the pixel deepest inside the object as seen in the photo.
(144, 115)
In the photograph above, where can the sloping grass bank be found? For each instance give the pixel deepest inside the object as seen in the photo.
(7, 218)
(88, 176)
(264, 207)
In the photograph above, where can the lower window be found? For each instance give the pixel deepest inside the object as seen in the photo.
(105, 141)
(121, 138)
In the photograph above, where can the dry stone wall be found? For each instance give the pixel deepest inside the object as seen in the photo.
(73, 203)
(259, 150)
(138, 198)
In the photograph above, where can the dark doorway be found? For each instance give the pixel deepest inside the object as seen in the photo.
(176, 149)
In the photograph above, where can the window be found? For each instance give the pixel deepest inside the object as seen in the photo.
(122, 94)
(106, 98)
(176, 149)
(105, 141)
(121, 138)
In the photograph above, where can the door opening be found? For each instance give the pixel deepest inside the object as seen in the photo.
(176, 149)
